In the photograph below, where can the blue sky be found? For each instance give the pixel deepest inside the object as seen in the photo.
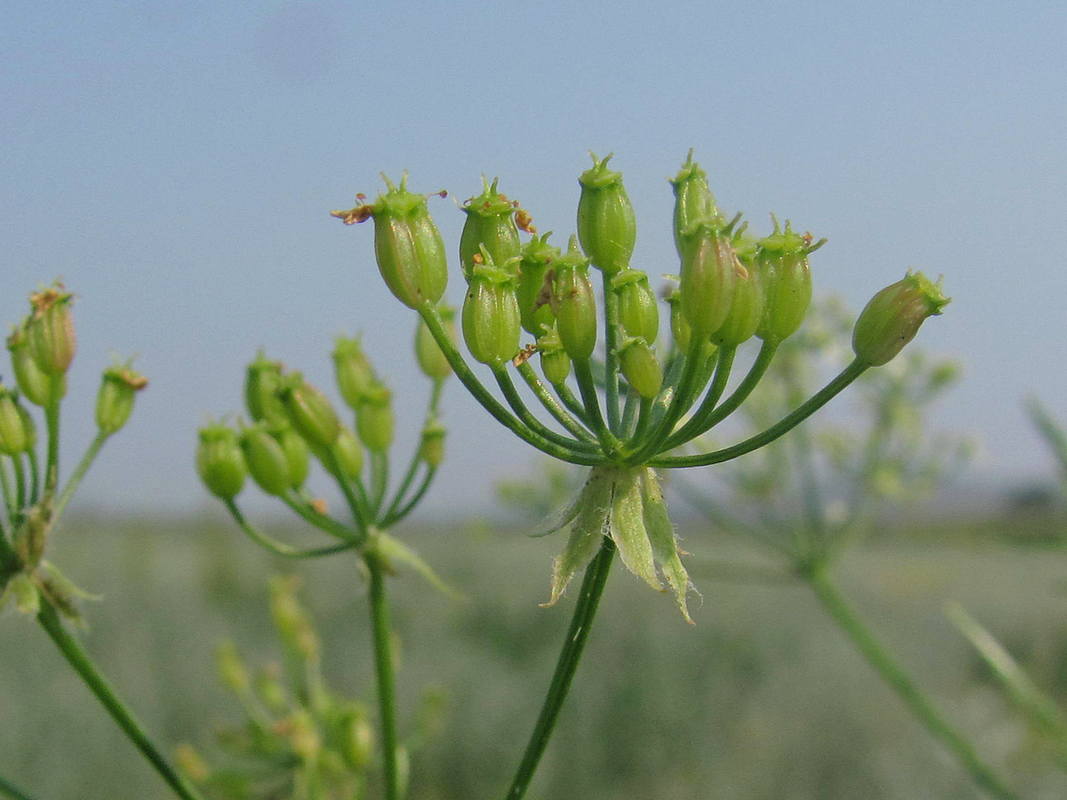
(174, 163)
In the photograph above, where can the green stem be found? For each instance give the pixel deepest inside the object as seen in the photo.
(394, 516)
(80, 661)
(76, 477)
(10, 790)
(611, 358)
(432, 317)
(596, 575)
(571, 402)
(783, 426)
(707, 418)
(379, 465)
(724, 362)
(587, 388)
(35, 476)
(507, 386)
(558, 412)
(892, 673)
(323, 522)
(629, 413)
(9, 494)
(383, 663)
(678, 404)
(280, 548)
(20, 482)
(51, 416)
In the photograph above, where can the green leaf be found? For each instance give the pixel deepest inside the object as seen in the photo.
(591, 521)
(664, 542)
(396, 551)
(628, 528)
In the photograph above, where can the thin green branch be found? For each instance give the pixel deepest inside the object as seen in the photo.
(76, 476)
(908, 691)
(507, 386)
(383, 663)
(611, 357)
(596, 576)
(783, 426)
(323, 522)
(395, 516)
(587, 388)
(558, 412)
(8, 789)
(280, 548)
(82, 664)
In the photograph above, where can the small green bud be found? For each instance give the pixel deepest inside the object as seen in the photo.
(428, 355)
(356, 738)
(555, 363)
(310, 412)
(35, 385)
(432, 443)
(220, 462)
(352, 370)
(709, 272)
(232, 670)
(296, 452)
(534, 299)
(51, 329)
(29, 427)
(781, 266)
(491, 314)
(263, 381)
(490, 224)
(374, 419)
(680, 330)
(574, 303)
(13, 434)
(348, 451)
(893, 316)
(607, 227)
(640, 367)
(265, 459)
(407, 244)
(638, 312)
(119, 386)
(693, 200)
(745, 314)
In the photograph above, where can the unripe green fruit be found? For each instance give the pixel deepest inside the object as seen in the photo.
(263, 381)
(432, 444)
(490, 224)
(310, 412)
(219, 461)
(50, 330)
(638, 310)
(574, 304)
(745, 313)
(408, 246)
(781, 266)
(893, 316)
(114, 402)
(491, 323)
(709, 272)
(266, 460)
(35, 385)
(348, 451)
(297, 455)
(693, 200)
(352, 370)
(607, 226)
(640, 367)
(374, 419)
(533, 297)
(680, 330)
(555, 363)
(431, 360)
(13, 435)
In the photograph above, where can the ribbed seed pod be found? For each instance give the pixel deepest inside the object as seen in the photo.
(310, 413)
(352, 370)
(491, 323)
(640, 367)
(50, 330)
(219, 461)
(892, 317)
(265, 459)
(574, 304)
(555, 363)
(638, 310)
(607, 226)
(374, 419)
(13, 437)
(119, 386)
(781, 263)
(35, 385)
(490, 224)
(537, 259)
(709, 272)
(745, 313)
(263, 381)
(296, 452)
(693, 200)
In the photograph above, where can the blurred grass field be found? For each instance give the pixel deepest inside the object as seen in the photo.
(762, 700)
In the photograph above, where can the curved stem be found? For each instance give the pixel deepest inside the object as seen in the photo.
(724, 361)
(280, 548)
(596, 575)
(783, 426)
(10, 790)
(379, 464)
(587, 388)
(76, 477)
(51, 416)
(572, 403)
(432, 317)
(678, 404)
(35, 476)
(555, 409)
(507, 386)
(357, 503)
(383, 664)
(80, 661)
(323, 522)
(892, 673)
(9, 494)
(20, 482)
(394, 516)
(706, 419)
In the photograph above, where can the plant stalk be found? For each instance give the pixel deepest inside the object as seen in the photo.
(383, 664)
(596, 576)
(82, 664)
